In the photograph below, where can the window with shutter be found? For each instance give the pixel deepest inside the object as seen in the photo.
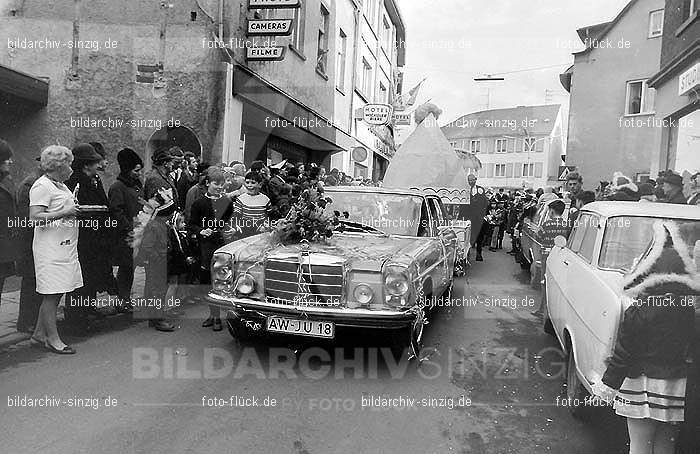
(511, 145)
(489, 170)
(538, 170)
(539, 146)
(509, 170)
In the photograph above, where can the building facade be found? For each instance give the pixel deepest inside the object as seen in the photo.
(518, 147)
(677, 85)
(613, 115)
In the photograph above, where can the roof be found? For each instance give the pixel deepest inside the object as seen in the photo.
(592, 32)
(24, 86)
(599, 31)
(500, 122)
(647, 209)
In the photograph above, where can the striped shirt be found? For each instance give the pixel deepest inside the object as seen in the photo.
(251, 211)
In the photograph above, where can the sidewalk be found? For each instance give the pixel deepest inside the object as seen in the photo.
(9, 309)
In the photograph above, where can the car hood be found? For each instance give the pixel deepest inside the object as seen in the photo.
(363, 250)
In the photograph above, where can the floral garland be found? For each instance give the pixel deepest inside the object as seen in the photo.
(308, 219)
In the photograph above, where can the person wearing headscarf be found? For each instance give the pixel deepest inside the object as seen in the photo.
(94, 241)
(125, 201)
(648, 371)
(7, 215)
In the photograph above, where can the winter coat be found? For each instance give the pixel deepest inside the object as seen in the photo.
(95, 238)
(203, 217)
(125, 202)
(25, 236)
(654, 338)
(8, 235)
(156, 180)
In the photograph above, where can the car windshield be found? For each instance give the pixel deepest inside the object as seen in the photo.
(627, 238)
(395, 214)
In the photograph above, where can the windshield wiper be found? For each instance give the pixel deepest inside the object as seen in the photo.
(361, 227)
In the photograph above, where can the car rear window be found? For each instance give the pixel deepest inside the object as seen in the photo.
(627, 238)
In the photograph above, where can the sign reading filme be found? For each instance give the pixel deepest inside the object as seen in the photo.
(256, 4)
(377, 114)
(269, 53)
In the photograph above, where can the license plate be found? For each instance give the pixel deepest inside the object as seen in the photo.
(310, 328)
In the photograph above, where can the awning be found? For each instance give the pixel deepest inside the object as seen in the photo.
(23, 86)
(303, 126)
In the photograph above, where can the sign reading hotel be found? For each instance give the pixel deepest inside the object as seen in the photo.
(689, 80)
(377, 114)
(269, 53)
(270, 4)
(269, 27)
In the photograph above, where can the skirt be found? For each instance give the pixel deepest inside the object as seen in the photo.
(652, 398)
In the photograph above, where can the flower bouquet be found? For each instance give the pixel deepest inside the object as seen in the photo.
(308, 219)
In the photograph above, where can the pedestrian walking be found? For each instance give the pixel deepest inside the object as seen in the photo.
(55, 244)
(7, 216)
(648, 370)
(211, 216)
(479, 206)
(125, 202)
(94, 240)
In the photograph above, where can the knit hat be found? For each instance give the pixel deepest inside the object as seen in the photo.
(128, 160)
(5, 150)
(666, 263)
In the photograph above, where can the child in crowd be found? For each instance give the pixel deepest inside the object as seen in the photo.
(251, 210)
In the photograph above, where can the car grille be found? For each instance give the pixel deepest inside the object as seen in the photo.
(321, 286)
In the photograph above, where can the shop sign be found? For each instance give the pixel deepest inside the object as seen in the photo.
(377, 114)
(270, 4)
(689, 80)
(402, 119)
(359, 154)
(269, 27)
(269, 53)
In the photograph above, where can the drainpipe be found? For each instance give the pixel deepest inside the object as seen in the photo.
(164, 6)
(355, 47)
(75, 54)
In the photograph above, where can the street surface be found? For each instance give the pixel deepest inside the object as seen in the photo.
(488, 383)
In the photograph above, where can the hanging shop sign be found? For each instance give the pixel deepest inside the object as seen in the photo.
(402, 119)
(689, 80)
(270, 53)
(269, 27)
(270, 4)
(377, 114)
(359, 154)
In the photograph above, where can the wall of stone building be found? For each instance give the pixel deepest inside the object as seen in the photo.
(106, 88)
(674, 16)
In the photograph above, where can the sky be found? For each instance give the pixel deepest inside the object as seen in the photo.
(452, 41)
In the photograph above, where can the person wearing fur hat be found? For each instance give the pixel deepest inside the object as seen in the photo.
(7, 212)
(94, 244)
(124, 204)
(673, 189)
(648, 371)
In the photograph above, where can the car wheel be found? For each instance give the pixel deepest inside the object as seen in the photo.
(576, 394)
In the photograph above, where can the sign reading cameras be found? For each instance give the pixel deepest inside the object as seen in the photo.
(255, 4)
(377, 114)
(269, 27)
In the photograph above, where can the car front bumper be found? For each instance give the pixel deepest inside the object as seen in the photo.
(257, 311)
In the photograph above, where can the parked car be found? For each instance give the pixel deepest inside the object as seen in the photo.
(397, 251)
(583, 290)
(534, 253)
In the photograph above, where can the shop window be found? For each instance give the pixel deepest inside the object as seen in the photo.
(656, 23)
(639, 98)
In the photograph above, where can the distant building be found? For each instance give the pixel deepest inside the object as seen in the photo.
(518, 147)
(677, 85)
(612, 121)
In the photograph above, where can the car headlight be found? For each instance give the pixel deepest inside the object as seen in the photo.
(363, 294)
(397, 285)
(245, 284)
(222, 272)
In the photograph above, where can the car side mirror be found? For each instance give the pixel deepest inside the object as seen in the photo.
(560, 241)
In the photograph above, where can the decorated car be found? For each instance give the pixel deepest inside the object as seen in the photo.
(584, 280)
(389, 254)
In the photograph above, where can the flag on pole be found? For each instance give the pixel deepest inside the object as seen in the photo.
(413, 94)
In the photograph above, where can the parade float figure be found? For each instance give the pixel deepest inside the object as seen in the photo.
(427, 162)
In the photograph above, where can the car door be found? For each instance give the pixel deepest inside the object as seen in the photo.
(530, 229)
(448, 239)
